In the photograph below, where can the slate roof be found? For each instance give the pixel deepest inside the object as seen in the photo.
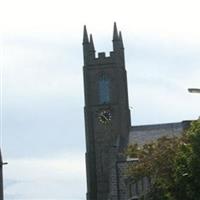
(147, 133)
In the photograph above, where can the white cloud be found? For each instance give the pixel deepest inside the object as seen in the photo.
(167, 19)
(48, 178)
(158, 81)
(40, 68)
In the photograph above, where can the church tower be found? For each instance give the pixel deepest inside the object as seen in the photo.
(107, 115)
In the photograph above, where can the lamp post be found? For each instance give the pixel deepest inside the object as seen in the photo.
(1, 177)
(194, 90)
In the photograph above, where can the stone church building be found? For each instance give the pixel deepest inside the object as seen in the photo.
(108, 126)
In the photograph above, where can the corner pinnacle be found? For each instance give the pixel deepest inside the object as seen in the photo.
(91, 43)
(121, 40)
(85, 35)
(115, 32)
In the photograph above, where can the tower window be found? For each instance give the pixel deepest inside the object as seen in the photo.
(104, 89)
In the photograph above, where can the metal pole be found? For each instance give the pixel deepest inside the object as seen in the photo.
(1, 177)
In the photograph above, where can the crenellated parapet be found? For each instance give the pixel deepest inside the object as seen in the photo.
(115, 57)
(102, 58)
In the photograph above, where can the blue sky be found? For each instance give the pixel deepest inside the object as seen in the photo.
(42, 85)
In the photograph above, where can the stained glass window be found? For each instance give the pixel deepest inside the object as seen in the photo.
(104, 87)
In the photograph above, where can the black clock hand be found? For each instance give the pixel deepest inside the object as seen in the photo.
(105, 117)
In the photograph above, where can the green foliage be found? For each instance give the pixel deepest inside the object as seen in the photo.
(172, 164)
(187, 174)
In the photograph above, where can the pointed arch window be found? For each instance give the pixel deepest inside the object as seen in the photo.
(104, 89)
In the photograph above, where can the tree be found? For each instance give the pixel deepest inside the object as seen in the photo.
(187, 165)
(172, 164)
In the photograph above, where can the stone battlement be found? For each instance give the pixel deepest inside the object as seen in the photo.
(102, 58)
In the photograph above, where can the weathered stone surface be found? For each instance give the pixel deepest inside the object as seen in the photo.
(101, 139)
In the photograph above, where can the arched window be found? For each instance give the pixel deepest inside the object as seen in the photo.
(104, 89)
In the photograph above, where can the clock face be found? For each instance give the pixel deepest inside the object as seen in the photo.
(105, 117)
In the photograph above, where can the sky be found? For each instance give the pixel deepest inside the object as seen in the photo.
(42, 122)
